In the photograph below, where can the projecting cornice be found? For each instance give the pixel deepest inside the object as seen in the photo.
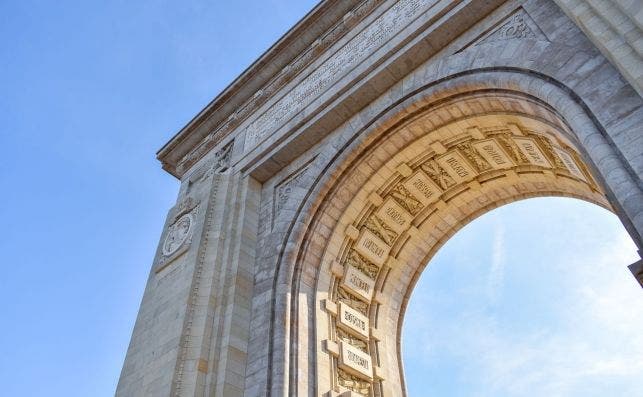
(302, 44)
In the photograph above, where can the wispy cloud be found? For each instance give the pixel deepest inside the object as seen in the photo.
(497, 271)
(590, 343)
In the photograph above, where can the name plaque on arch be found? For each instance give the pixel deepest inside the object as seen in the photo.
(456, 166)
(372, 247)
(394, 215)
(353, 321)
(423, 188)
(358, 283)
(493, 153)
(530, 149)
(355, 361)
(570, 164)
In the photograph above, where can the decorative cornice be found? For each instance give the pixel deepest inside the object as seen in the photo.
(297, 49)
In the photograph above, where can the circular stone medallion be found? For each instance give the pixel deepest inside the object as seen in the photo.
(177, 235)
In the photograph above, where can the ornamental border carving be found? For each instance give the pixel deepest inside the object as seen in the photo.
(392, 214)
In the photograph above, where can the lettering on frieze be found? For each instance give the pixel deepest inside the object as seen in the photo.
(356, 50)
(570, 163)
(353, 321)
(456, 166)
(358, 283)
(532, 152)
(372, 247)
(394, 215)
(355, 361)
(493, 153)
(423, 188)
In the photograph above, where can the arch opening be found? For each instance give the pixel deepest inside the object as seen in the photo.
(528, 299)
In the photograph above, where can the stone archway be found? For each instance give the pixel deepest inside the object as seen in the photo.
(317, 198)
(503, 142)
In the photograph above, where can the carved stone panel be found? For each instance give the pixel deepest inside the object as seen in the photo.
(394, 215)
(530, 149)
(352, 321)
(358, 283)
(423, 188)
(493, 153)
(456, 166)
(355, 361)
(570, 163)
(372, 247)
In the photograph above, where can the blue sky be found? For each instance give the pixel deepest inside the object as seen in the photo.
(531, 299)
(90, 91)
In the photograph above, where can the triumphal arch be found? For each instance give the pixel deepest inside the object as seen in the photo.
(319, 184)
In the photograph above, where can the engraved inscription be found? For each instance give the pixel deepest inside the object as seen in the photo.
(372, 247)
(357, 283)
(570, 164)
(355, 361)
(423, 188)
(360, 47)
(456, 166)
(394, 215)
(493, 153)
(353, 321)
(533, 153)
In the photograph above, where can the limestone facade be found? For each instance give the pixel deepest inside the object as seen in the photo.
(319, 184)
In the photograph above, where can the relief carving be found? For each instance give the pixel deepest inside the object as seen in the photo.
(363, 265)
(352, 340)
(352, 301)
(478, 162)
(437, 174)
(356, 50)
(177, 234)
(511, 148)
(404, 198)
(519, 25)
(381, 229)
(353, 383)
(549, 151)
(284, 189)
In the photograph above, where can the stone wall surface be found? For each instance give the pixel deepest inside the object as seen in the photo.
(299, 232)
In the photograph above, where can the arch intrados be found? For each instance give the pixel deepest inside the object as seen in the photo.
(495, 195)
(337, 167)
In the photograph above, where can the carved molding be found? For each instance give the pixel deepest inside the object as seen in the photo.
(357, 49)
(276, 83)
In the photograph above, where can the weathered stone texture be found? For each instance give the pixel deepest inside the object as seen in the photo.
(329, 189)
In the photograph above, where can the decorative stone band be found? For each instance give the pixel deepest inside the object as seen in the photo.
(353, 52)
(370, 240)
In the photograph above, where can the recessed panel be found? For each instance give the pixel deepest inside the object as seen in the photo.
(493, 153)
(530, 149)
(352, 321)
(372, 247)
(570, 163)
(358, 283)
(423, 188)
(456, 166)
(394, 215)
(355, 361)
